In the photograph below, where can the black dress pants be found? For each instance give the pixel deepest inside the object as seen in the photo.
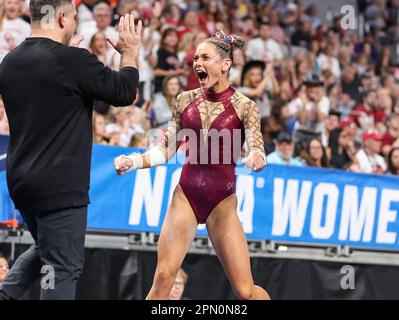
(56, 256)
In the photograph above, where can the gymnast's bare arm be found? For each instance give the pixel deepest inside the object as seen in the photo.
(159, 154)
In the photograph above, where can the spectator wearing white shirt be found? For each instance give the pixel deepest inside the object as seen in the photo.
(368, 158)
(376, 14)
(99, 47)
(327, 61)
(122, 126)
(258, 81)
(310, 109)
(85, 11)
(102, 14)
(312, 16)
(164, 101)
(13, 30)
(264, 46)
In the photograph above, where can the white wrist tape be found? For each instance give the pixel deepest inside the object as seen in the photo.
(155, 155)
(137, 161)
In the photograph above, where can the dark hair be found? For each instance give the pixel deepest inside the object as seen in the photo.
(309, 161)
(330, 87)
(165, 92)
(264, 124)
(335, 113)
(36, 8)
(264, 22)
(165, 33)
(391, 169)
(225, 44)
(277, 107)
(367, 93)
(216, 14)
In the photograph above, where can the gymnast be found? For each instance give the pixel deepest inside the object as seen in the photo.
(206, 190)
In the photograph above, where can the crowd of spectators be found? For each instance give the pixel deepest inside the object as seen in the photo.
(328, 95)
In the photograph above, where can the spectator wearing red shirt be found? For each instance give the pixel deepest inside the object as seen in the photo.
(364, 114)
(383, 107)
(175, 15)
(348, 125)
(193, 22)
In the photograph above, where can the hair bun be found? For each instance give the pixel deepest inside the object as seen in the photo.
(234, 41)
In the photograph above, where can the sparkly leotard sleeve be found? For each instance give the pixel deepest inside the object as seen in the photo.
(169, 143)
(253, 135)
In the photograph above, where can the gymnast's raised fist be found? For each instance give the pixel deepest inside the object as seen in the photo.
(129, 36)
(124, 164)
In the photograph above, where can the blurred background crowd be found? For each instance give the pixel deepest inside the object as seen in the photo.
(328, 94)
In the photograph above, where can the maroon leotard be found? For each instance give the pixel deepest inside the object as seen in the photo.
(206, 185)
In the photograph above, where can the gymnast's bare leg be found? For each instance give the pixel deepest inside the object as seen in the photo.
(228, 239)
(178, 231)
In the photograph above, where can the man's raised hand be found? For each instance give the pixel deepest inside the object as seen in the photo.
(129, 36)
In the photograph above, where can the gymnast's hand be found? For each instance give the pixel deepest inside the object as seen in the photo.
(254, 161)
(124, 164)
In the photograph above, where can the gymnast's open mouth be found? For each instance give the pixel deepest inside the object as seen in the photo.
(201, 74)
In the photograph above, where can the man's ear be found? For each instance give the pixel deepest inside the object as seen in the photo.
(226, 64)
(61, 17)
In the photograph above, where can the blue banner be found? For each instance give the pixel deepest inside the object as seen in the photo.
(7, 208)
(321, 206)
